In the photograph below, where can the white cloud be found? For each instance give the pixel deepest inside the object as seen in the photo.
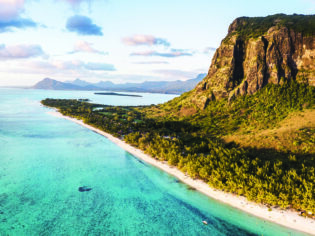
(151, 62)
(20, 51)
(10, 9)
(148, 40)
(74, 65)
(73, 1)
(83, 46)
(76, 3)
(168, 53)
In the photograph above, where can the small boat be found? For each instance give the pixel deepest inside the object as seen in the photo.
(205, 222)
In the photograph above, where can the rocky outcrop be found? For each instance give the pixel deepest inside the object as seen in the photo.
(258, 51)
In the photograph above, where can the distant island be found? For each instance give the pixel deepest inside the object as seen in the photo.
(119, 94)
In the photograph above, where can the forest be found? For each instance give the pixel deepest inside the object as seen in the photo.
(253, 27)
(283, 177)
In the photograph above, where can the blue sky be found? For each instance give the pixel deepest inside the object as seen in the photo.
(119, 40)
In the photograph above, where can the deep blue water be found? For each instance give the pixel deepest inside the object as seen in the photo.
(45, 159)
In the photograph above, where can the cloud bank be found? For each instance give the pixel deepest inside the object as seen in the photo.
(170, 53)
(83, 46)
(148, 40)
(73, 2)
(20, 23)
(74, 65)
(10, 9)
(76, 2)
(9, 15)
(20, 52)
(83, 25)
(151, 62)
(99, 66)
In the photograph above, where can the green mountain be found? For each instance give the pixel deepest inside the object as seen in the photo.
(258, 51)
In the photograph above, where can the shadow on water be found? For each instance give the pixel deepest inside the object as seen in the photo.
(214, 222)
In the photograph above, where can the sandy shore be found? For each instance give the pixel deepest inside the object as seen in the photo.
(286, 218)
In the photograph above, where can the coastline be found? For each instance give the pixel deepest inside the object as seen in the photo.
(287, 218)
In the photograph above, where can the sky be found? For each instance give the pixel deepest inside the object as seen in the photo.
(119, 40)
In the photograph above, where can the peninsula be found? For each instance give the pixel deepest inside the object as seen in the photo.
(287, 218)
(247, 129)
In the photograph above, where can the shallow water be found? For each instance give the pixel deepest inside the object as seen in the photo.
(45, 159)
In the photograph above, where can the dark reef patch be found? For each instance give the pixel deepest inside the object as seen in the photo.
(84, 189)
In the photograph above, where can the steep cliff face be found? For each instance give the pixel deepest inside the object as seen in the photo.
(258, 51)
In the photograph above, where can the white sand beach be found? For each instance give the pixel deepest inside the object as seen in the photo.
(287, 218)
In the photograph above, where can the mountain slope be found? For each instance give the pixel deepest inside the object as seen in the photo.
(48, 83)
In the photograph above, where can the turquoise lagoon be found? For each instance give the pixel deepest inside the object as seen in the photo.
(45, 159)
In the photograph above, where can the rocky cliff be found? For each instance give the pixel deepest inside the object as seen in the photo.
(258, 51)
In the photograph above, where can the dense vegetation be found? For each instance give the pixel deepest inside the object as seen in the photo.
(257, 26)
(263, 109)
(194, 143)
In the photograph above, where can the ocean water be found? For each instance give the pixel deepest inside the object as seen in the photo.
(45, 159)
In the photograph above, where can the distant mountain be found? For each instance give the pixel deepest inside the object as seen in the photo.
(104, 84)
(79, 82)
(48, 83)
(170, 87)
(183, 86)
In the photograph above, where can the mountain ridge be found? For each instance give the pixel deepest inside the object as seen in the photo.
(168, 87)
(48, 83)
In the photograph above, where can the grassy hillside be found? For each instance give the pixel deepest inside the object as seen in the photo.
(296, 133)
(262, 110)
(208, 144)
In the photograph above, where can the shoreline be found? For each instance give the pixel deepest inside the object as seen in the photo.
(287, 218)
